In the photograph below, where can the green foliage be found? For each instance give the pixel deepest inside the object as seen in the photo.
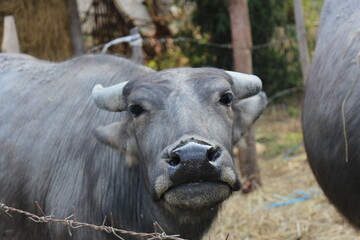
(280, 144)
(277, 62)
(213, 18)
(312, 10)
(284, 116)
(275, 52)
(169, 59)
(209, 23)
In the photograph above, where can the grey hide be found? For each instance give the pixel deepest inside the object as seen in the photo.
(164, 155)
(333, 94)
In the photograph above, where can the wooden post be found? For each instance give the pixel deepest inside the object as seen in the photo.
(10, 42)
(242, 50)
(240, 35)
(302, 39)
(77, 41)
(136, 48)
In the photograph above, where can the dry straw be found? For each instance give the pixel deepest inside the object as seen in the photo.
(42, 25)
(250, 217)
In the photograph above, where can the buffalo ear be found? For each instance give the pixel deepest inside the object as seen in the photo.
(246, 112)
(109, 135)
(116, 136)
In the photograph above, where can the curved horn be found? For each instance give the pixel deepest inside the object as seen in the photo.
(109, 98)
(246, 85)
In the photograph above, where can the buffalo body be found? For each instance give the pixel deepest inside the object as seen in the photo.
(154, 146)
(331, 117)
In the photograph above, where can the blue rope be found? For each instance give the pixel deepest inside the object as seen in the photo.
(300, 196)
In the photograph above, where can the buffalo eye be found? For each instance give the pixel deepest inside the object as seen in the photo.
(226, 99)
(136, 110)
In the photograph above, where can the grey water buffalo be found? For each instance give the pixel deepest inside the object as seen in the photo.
(331, 116)
(101, 136)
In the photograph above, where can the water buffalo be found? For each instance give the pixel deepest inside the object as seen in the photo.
(331, 117)
(150, 146)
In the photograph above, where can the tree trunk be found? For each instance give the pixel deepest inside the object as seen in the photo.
(241, 35)
(77, 40)
(242, 47)
(302, 40)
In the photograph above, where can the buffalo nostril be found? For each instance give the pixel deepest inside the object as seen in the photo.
(213, 153)
(174, 160)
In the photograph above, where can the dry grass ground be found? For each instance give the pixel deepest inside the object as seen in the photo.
(286, 176)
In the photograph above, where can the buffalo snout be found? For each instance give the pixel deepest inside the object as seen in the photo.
(196, 174)
(194, 162)
(193, 154)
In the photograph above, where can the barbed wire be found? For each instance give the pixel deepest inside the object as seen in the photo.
(72, 224)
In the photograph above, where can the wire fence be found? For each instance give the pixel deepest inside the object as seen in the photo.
(183, 39)
(72, 224)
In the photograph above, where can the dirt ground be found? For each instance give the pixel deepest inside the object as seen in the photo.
(290, 204)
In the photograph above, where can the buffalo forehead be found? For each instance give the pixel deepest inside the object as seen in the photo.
(206, 77)
(183, 80)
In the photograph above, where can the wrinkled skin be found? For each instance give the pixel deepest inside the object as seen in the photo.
(166, 157)
(334, 72)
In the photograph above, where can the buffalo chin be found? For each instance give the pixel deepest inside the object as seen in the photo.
(197, 196)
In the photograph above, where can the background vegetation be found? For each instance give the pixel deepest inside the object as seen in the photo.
(275, 49)
(200, 31)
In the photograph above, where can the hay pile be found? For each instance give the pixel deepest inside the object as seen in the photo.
(42, 25)
(251, 217)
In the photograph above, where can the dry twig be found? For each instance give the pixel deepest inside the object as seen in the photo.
(72, 224)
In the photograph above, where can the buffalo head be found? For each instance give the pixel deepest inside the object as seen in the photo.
(180, 125)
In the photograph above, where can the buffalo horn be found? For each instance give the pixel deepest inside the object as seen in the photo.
(246, 85)
(109, 98)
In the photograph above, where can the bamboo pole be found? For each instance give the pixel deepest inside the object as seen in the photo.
(302, 39)
(10, 41)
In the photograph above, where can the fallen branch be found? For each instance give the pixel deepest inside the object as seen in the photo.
(75, 224)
